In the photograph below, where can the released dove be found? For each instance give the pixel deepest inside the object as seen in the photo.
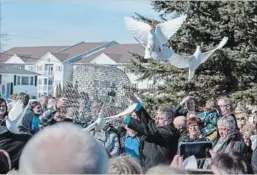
(193, 62)
(153, 39)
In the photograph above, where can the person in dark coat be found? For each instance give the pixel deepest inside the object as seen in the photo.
(159, 138)
(254, 160)
(30, 121)
(3, 111)
(13, 144)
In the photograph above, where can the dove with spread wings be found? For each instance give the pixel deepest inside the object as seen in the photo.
(193, 62)
(153, 39)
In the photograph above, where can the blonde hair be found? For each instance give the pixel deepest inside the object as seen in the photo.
(124, 165)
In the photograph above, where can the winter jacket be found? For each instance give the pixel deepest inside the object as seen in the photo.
(158, 145)
(131, 149)
(46, 119)
(180, 111)
(182, 137)
(13, 144)
(233, 142)
(210, 119)
(254, 160)
(254, 153)
(30, 123)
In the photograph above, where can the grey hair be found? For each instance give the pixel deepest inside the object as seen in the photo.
(227, 101)
(229, 121)
(63, 149)
(124, 165)
(167, 112)
(165, 169)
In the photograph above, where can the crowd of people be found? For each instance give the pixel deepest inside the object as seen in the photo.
(48, 138)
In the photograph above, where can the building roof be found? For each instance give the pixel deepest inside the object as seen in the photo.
(11, 69)
(29, 54)
(120, 53)
(32, 54)
(76, 50)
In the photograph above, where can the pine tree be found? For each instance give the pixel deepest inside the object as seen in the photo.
(231, 71)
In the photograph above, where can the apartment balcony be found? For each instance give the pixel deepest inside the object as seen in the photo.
(48, 74)
(45, 88)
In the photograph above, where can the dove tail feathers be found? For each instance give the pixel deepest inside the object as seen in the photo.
(222, 42)
(191, 74)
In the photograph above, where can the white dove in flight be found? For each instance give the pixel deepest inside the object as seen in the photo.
(153, 39)
(193, 62)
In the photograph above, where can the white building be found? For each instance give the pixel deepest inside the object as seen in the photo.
(15, 80)
(55, 64)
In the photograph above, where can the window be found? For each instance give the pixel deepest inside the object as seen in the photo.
(59, 68)
(18, 80)
(31, 68)
(50, 82)
(25, 81)
(31, 80)
(134, 85)
(0, 78)
(45, 81)
(150, 86)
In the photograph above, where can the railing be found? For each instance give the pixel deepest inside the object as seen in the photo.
(48, 74)
(45, 88)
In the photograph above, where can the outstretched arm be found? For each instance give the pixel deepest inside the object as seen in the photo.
(142, 114)
(160, 134)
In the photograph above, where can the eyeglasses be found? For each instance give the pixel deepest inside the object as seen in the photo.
(2, 106)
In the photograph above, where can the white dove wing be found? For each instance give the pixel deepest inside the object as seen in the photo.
(167, 29)
(166, 53)
(139, 30)
(180, 61)
(204, 56)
